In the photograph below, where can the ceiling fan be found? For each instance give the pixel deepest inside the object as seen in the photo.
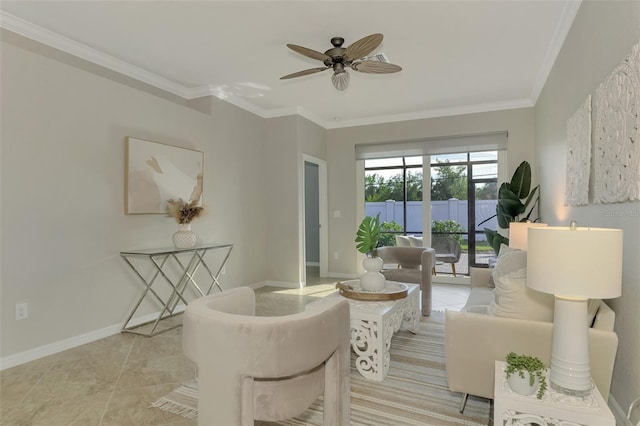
(340, 58)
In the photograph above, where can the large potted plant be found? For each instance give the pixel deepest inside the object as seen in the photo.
(526, 374)
(516, 203)
(367, 238)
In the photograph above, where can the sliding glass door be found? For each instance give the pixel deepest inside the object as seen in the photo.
(463, 193)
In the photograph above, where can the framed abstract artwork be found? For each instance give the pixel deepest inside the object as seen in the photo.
(155, 173)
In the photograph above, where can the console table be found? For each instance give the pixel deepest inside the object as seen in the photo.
(553, 409)
(184, 263)
(373, 325)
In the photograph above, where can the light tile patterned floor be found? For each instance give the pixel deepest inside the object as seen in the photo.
(449, 296)
(112, 381)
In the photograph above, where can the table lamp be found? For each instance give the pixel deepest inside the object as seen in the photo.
(518, 233)
(574, 264)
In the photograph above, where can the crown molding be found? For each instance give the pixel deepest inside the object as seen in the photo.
(569, 13)
(27, 29)
(305, 113)
(434, 113)
(57, 41)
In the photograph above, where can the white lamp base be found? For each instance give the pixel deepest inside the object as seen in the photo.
(570, 373)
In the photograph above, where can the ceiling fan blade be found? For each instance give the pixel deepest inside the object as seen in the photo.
(309, 53)
(305, 72)
(363, 47)
(375, 67)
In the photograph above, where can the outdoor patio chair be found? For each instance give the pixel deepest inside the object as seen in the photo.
(447, 250)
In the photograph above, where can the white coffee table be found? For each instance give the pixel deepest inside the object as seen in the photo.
(373, 324)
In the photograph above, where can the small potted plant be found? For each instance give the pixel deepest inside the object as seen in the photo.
(525, 374)
(367, 239)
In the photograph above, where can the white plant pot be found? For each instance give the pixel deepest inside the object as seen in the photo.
(521, 385)
(372, 280)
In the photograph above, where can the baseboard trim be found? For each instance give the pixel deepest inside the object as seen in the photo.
(282, 284)
(73, 342)
(343, 276)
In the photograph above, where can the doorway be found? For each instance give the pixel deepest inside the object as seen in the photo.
(314, 236)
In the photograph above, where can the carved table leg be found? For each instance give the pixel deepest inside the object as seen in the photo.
(411, 313)
(371, 344)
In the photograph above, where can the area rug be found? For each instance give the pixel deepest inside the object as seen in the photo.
(414, 392)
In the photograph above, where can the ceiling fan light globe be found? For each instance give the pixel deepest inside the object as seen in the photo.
(340, 80)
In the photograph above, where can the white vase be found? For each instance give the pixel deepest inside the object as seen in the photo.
(521, 385)
(372, 280)
(184, 237)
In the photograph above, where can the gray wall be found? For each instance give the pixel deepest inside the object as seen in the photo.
(62, 191)
(601, 36)
(287, 139)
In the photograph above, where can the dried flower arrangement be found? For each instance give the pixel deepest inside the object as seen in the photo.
(184, 212)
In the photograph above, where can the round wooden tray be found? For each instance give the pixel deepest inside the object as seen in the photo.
(392, 291)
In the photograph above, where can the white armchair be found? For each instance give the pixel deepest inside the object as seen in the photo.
(267, 368)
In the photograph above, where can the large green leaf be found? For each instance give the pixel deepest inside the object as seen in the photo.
(531, 195)
(529, 200)
(509, 201)
(504, 217)
(494, 239)
(521, 180)
(368, 234)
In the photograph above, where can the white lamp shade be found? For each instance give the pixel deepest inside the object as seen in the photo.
(581, 262)
(518, 233)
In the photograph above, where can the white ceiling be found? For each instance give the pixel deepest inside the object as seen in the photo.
(457, 56)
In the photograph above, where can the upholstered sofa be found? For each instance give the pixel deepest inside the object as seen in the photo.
(475, 339)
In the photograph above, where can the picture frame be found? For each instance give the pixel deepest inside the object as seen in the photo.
(156, 172)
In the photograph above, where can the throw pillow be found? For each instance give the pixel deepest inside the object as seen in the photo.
(513, 299)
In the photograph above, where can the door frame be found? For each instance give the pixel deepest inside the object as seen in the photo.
(322, 215)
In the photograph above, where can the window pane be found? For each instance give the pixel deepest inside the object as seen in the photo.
(485, 171)
(448, 181)
(383, 162)
(449, 158)
(486, 201)
(484, 156)
(413, 161)
(414, 185)
(383, 185)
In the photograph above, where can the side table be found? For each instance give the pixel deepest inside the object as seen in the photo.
(165, 262)
(510, 408)
(372, 326)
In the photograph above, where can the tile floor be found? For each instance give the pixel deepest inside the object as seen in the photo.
(112, 381)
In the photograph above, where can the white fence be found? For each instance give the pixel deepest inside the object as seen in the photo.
(452, 209)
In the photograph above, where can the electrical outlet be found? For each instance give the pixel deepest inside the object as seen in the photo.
(224, 270)
(336, 255)
(22, 311)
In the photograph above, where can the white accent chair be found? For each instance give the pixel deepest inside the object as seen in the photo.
(267, 368)
(414, 265)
